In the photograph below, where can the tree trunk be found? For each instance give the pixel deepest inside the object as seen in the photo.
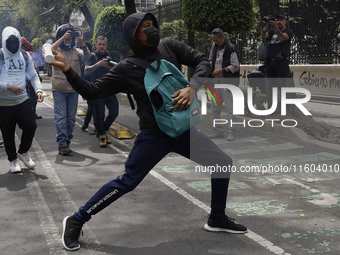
(191, 43)
(130, 7)
(87, 16)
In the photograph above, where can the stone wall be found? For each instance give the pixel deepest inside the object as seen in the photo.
(318, 79)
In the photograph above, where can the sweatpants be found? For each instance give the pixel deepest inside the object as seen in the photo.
(149, 148)
(23, 115)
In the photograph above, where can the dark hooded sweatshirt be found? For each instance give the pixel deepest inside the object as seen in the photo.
(126, 76)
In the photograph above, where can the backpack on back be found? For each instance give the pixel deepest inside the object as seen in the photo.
(163, 79)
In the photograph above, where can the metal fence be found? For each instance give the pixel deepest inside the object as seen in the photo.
(316, 27)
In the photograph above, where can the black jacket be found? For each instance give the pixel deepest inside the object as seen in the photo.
(228, 49)
(127, 76)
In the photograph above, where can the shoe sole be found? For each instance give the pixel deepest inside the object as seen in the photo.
(65, 153)
(62, 237)
(30, 167)
(215, 229)
(15, 172)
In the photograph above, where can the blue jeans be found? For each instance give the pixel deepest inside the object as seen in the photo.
(65, 109)
(149, 148)
(103, 124)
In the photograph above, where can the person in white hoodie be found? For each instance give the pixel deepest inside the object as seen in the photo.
(15, 105)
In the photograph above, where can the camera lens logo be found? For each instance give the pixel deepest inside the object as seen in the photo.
(204, 105)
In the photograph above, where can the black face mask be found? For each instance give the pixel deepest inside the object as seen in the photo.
(12, 45)
(152, 36)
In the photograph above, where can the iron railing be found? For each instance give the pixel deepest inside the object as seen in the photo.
(316, 27)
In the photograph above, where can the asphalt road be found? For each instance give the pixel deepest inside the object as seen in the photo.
(293, 210)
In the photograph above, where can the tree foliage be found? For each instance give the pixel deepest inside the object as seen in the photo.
(9, 16)
(109, 23)
(41, 16)
(43, 39)
(232, 16)
(177, 30)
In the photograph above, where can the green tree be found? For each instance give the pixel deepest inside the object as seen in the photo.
(109, 24)
(177, 30)
(9, 16)
(41, 16)
(232, 16)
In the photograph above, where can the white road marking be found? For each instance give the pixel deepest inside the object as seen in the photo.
(47, 223)
(328, 200)
(52, 235)
(255, 237)
(272, 180)
(302, 185)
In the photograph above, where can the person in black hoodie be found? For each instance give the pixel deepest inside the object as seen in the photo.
(151, 145)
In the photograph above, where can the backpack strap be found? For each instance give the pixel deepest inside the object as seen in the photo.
(24, 53)
(144, 64)
(1, 59)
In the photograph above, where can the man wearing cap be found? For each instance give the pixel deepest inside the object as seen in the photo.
(226, 66)
(277, 64)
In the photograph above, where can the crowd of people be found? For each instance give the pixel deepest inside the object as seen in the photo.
(104, 77)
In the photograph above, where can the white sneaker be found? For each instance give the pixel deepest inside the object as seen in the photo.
(28, 162)
(14, 166)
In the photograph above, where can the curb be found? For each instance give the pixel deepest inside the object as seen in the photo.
(293, 133)
(45, 77)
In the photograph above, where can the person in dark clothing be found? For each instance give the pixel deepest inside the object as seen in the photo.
(277, 63)
(225, 66)
(95, 67)
(27, 46)
(151, 145)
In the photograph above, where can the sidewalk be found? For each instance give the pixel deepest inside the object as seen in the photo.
(325, 112)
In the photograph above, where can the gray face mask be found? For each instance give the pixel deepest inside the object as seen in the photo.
(152, 36)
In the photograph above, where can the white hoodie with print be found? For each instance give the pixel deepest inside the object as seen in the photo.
(13, 70)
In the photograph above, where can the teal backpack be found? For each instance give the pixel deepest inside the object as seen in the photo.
(163, 79)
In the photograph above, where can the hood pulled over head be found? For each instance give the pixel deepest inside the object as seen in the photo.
(11, 41)
(131, 24)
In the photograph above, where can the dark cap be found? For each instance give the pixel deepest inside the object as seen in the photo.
(281, 16)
